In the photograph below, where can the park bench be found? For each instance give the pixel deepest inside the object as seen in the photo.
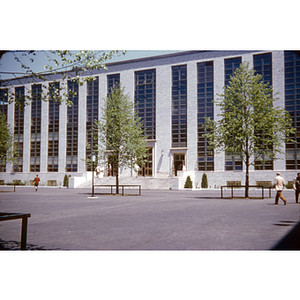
(12, 216)
(122, 186)
(231, 187)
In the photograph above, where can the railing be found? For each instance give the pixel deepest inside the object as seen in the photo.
(123, 186)
(13, 216)
(243, 186)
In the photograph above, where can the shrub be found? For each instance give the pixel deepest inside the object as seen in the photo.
(66, 180)
(188, 183)
(204, 183)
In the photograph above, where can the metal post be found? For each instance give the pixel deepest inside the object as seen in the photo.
(93, 158)
(93, 181)
(24, 233)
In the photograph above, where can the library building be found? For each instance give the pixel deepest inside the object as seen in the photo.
(173, 93)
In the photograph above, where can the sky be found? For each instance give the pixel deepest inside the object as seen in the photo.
(9, 67)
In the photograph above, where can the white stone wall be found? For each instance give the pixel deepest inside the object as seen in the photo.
(162, 151)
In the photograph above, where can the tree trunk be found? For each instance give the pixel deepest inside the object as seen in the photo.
(117, 182)
(117, 170)
(247, 177)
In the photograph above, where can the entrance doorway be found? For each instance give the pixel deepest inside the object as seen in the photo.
(146, 171)
(178, 162)
(111, 166)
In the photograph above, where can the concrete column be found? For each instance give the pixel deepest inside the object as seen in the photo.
(248, 58)
(192, 120)
(27, 133)
(127, 82)
(219, 158)
(163, 121)
(279, 92)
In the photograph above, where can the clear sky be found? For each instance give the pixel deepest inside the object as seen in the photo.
(9, 65)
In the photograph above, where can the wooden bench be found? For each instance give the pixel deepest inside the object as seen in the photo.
(12, 216)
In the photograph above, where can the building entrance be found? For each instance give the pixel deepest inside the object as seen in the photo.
(146, 171)
(178, 162)
(111, 165)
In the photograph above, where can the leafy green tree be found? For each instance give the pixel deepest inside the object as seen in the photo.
(68, 65)
(7, 151)
(119, 132)
(250, 126)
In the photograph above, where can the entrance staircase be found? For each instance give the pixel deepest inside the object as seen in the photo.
(146, 183)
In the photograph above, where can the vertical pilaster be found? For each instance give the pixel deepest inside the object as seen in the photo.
(192, 116)
(27, 133)
(127, 81)
(219, 158)
(163, 120)
(279, 92)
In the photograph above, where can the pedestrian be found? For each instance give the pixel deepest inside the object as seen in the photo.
(97, 171)
(279, 183)
(36, 181)
(296, 186)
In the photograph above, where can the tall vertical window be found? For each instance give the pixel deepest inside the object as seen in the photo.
(3, 111)
(19, 128)
(113, 81)
(262, 64)
(72, 128)
(205, 97)
(35, 140)
(145, 100)
(179, 106)
(53, 129)
(292, 105)
(233, 161)
(92, 100)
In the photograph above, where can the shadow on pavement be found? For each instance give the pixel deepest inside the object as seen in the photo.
(291, 241)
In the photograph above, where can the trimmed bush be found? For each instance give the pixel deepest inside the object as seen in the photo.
(66, 180)
(204, 183)
(188, 183)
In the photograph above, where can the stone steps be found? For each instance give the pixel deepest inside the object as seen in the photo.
(146, 183)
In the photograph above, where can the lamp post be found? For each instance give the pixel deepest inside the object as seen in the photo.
(93, 159)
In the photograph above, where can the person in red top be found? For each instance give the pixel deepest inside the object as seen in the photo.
(36, 181)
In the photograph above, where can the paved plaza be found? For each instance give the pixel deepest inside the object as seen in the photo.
(67, 219)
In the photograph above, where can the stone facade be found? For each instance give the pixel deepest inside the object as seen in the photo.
(162, 150)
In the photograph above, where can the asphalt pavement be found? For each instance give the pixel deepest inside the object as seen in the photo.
(69, 219)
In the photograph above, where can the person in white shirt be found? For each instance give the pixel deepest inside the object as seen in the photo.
(279, 183)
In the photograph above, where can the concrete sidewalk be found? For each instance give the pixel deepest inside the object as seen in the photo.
(67, 219)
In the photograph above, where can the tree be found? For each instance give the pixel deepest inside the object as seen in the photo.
(250, 126)
(7, 151)
(65, 65)
(119, 132)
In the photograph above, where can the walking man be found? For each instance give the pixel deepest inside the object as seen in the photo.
(279, 183)
(296, 186)
(36, 181)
